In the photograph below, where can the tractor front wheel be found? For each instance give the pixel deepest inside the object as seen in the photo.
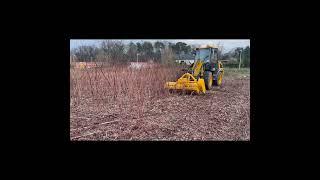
(208, 79)
(218, 80)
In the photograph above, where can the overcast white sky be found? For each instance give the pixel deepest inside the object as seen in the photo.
(228, 44)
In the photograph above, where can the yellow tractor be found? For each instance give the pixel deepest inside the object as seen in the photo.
(205, 72)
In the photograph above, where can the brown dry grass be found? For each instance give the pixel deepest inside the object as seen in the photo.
(118, 103)
(121, 85)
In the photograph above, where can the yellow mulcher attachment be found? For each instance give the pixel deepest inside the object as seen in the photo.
(187, 82)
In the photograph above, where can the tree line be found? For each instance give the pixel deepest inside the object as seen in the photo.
(116, 52)
(234, 56)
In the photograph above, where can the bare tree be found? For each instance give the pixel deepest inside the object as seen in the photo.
(86, 53)
(220, 50)
(167, 56)
(113, 50)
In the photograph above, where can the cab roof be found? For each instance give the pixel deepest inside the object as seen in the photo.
(207, 46)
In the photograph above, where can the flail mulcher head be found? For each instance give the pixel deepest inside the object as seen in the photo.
(188, 83)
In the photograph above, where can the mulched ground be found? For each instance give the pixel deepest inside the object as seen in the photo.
(221, 114)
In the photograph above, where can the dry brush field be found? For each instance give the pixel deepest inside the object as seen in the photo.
(120, 103)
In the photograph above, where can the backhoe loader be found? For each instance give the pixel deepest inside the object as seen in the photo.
(205, 72)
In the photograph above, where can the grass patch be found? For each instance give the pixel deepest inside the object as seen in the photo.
(237, 72)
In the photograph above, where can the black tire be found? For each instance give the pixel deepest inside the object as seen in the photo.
(208, 79)
(215, 82)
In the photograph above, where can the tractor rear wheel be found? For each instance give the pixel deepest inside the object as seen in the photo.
(208, 79)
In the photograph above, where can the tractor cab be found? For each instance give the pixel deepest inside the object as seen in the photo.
(206, 65)
(206, 53)
(206, 56)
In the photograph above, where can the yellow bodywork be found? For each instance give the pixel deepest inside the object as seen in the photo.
(82, 65)
(197, 68)
(187, 82)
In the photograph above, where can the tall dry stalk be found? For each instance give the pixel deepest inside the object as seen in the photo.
(121, 85)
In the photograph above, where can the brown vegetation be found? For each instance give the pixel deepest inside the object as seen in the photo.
(122, 103)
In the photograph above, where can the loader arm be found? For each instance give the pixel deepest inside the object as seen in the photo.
(197, 68)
